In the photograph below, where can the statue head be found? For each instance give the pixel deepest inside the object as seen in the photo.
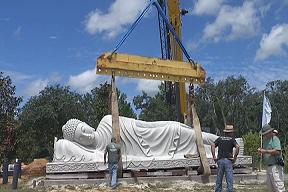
(78, 131)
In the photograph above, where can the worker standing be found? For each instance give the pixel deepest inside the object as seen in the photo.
(114, 153)
(225, 158)
(272, 157)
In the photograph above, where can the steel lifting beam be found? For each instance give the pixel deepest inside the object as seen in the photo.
(150, 68)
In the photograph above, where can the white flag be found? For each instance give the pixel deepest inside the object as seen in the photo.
(266, 115)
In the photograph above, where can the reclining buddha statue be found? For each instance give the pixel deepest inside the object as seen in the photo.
(140, 140)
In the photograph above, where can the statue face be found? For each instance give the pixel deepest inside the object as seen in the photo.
(84, 134)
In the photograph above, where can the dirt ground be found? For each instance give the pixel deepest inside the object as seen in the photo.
(37, 168)
(177, 186)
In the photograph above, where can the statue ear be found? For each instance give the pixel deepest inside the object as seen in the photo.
(63, 127)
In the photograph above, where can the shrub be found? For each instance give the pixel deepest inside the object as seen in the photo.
(285, 155)
(251, 144)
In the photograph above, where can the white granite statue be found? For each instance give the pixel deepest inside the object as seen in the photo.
(140, 140)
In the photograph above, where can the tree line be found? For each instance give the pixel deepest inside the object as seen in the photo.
(31, 129)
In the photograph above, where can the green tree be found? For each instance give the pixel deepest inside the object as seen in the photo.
(155, 108)
(41, 120)
(277, 92)
(205, 105)
(226, 102)
(8, 111)
(232, 93)
(97, 104)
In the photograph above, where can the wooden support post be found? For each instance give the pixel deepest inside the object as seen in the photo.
(115, 120)
(199, 140)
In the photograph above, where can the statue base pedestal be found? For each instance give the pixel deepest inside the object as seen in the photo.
(254, 177)
(81, 167)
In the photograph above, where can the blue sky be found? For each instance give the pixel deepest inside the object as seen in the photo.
(49, 42)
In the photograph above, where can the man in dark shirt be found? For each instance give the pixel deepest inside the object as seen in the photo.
(114, 153)
(225, 158)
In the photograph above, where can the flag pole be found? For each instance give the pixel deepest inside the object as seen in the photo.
(261, 136)
(261, 140)
(266, 117)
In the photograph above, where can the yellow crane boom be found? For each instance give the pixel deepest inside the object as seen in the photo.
(175, 20)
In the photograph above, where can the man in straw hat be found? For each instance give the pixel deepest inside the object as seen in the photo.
(271, 151)
(225, 158)
(275, 132)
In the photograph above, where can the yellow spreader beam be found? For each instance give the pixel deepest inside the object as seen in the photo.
(150, 68)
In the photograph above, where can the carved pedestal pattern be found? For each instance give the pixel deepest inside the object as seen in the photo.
(73, 167)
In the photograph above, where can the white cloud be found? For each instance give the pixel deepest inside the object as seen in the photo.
(192, 45)
(120, 14)
(274, 44)
(264, 9)
(149, 86)
(86, 81)
(35, 87)
(257, 74)
(260, 75)
(52, 37)
(207, 7)
(234, 23)
(55, 77)
(17, 33)
(17, 76)
(6, 19)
